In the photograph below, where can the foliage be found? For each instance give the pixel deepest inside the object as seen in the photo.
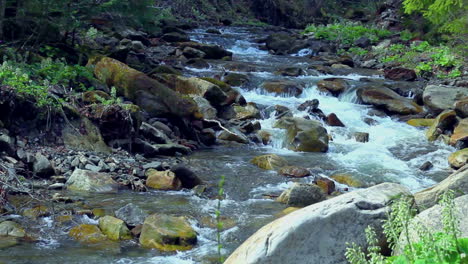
(444, 247)
(219, 223)
(346, 33)
(448, 15)
(37, 79)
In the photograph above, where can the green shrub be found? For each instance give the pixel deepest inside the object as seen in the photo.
(444, 247)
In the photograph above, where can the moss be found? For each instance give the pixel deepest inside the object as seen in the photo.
(87, 234)
(420, 122)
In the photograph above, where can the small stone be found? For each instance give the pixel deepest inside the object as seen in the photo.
(42, 166)
(361, 137)
(347, 180)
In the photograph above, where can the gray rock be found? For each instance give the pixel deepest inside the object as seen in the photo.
(42, 166)
(361, 137)
(88, 181)
(320, 232)
(154, 134)
(426, 166)
(235, 136)
(457, 182)
(441, 97)
(152, 165)
(302, 194)
(131, 214)
(93, 168)
(10, 228)
(7, 143)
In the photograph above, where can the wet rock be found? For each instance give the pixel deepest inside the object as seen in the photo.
(335, 86)
(213, 52)
(290, 71)
(457, 181)
(42, 166)
(164, 69)
(347, 180)
(114, 228)
(327, 185)
(333, 120)
(162, 180)
(401, 74)
(250, 111)
(56, 186)
(12, 229)
(269, 162)
(88, 234)
(250, 127)
(283, 87)
(191, 53)
(282, 111)
(420, 122)
(37, 211)
(361, 137)
(175, 37)
(302, 194)
(205, 108)
(236, 136)
(389, 100)
(458, 159)
(167, 233)
(341, 66)
(441, 97)
(280, 241)
(461, 107)
(88, 138)
(426, 166)
(445, 120)
(304, 135)
(265, 136)
(152, 150)
(279, 43)
(460, 134)
(213, 31)
(294, 171)
(187, 177)
(88, 181)
(197, 63)
(236, 79)
(154, 134)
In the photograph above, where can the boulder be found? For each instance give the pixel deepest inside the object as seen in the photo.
(431, 219)
(459, 158)
(191, 53)
(114, 228)
(42, 166)
(335, 86)
(89, 138)
(167, 233)
(206, 110)
(175, 37)
(250, 111)
(265, 136)
(401, 74)
(88, 234)
(327, 185)
(283, 87)
(460, 134)
(131, 214)
(236, 79)
(445, 120)
(235, 136)
(187, 177)
(88, 181)
(388, 100)
(7, 143)
(426, 166)
(162, 180)
(213, 52)
(149, 94)
(420, 122)
(347, 179)
(12, 229)
(302, 194)
(280, 43)
(269, 162)
(461, 107)
(333, 120)
(304, 135)
(334, 222)
(294, 171)
(442, 97)
(154, 134)
(458, 182)
(290, 71)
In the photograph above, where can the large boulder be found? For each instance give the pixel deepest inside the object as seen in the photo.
(280, 43)
(302, 194)
(320, 233)
(89, 181)
(458, 182)
(283, 87)
(167, 233)
(460, 134)
(388, 100)
(206, 109)
(444, 121)
(442, 97)
(149, 94)
(459, 158)
(162, 180)
(250, 111)
(335, 86)
(269, 162)
(114, 228)
(304, 135)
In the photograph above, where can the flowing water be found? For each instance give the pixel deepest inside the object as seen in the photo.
(394, 153)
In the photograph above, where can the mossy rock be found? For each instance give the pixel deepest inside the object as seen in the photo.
(459, 158)
(7, 242)
(88, 234)
(443, 121)
(114, 228)
(91, 139)
(460, 133)
(420, 122)
(12, 229)
(162, 180)
(37, 211)
(161, 69)
(347, 179)
(269, 162)
(167, 233)
(99, 212)
(304, 135)
(62, 219)
(224, 86)
(92, 97)
(226, 222)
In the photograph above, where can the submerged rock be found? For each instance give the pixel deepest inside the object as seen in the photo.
(302, 194)
(114, 228)
(304, 135)
(167, 233)
(88, 181)
(269, 162)
(342, 220)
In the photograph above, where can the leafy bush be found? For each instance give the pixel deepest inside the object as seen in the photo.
(346, 33)
(444, 247)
